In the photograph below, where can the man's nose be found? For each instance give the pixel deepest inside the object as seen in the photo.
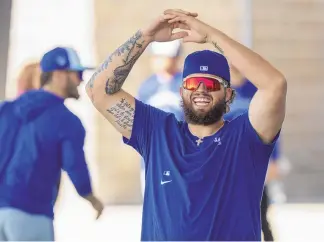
(202, 87)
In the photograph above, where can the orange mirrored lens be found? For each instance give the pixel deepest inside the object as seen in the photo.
(193, 83)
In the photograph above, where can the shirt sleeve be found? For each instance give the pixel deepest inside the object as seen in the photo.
(146, 120)
(260, 151)
(73, 158)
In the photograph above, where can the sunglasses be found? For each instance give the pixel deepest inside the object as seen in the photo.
(211, 84)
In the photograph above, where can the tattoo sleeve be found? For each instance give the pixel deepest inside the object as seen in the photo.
(124, 58)
(123, 113)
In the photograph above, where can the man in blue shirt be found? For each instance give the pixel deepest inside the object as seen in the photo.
(39, 136)
(161, 90)
(204, 176)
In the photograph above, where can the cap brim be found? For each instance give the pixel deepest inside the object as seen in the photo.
(82, 68)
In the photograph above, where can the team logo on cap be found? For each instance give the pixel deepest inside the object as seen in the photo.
(60, 60)
(203, 68)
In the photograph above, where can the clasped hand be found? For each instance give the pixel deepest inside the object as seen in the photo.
(190, 29)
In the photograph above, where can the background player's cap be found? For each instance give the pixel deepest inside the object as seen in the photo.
(168, 49)
(62, 58)
(207, 62)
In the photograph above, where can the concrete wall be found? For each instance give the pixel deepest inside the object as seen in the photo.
(291, 35)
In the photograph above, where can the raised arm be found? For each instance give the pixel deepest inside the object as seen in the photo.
(105, 86)
(267, 109)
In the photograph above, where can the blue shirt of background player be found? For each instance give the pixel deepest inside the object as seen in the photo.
(162, 94)
(207, 192)
(49, 138)
(244, 94)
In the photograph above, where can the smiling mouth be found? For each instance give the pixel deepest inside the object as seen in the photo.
(201, 101)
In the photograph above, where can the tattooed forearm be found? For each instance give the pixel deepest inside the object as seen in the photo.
(102, 67)
(123, 113)
(217, 47)
(115, 83)
(133, 49)
(128, 53)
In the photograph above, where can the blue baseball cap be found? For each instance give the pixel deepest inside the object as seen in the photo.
(207, 62)
(62, 58)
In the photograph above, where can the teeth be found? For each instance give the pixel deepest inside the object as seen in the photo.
(201, 104)
(201, 99)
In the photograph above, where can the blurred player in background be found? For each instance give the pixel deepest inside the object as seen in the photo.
(29, 78)
(161, 89)
(39, 136)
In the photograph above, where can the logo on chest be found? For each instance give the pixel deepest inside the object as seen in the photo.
(166, 178)
(218, 141)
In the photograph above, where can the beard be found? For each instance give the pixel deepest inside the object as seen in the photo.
(72, 90)
(210, 117)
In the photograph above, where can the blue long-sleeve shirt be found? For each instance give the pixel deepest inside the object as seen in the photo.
(45, 137)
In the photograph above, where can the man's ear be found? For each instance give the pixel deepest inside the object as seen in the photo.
(230, 95)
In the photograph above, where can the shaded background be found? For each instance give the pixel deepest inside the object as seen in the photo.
(289, 33)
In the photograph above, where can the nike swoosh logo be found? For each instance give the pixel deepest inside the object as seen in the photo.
(163, 182)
